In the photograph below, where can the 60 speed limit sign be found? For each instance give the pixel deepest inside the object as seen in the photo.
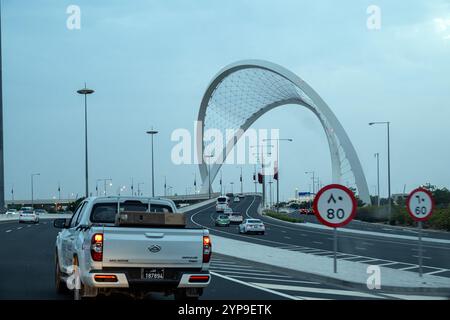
(335, 205)
(420, 204)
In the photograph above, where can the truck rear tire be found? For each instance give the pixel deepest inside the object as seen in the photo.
(181, 295)
(60, 285)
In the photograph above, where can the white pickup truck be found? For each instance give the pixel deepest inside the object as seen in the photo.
(109, 257)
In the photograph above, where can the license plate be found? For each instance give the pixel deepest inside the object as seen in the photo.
(153, 274)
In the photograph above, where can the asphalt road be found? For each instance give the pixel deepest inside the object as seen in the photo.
(390, 252)
(27, 267)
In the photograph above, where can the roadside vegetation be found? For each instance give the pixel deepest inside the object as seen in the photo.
(282, 216)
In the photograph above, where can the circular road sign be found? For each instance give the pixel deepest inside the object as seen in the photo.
(420, 204)
(335, 205)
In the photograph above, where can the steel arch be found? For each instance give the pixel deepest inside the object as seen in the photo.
(334, 131)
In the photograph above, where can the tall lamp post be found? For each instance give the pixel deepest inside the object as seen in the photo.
(209, 156)
(152, 133)
(85, 91)
(32, 187)
(387, 123)
(377, 155)
(278, 167)
(314, 180)
(139, 188)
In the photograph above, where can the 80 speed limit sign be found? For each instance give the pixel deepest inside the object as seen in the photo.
(420, 204)
(335, 205)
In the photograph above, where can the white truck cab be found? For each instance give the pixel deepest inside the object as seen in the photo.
(105, 256)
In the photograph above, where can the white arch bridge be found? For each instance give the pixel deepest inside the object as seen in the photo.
(243, 91)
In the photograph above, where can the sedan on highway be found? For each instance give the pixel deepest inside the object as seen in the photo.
(11, 211)
(252, 226)
(223, 220)
(236, 217)
(28, 216)
(40, 211)
(236, 199)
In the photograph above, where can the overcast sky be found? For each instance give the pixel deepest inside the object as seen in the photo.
(150, 62)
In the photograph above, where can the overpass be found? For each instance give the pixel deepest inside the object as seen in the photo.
(53, 203)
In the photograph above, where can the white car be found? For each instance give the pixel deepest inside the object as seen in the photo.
(236, 199)
(11, 211)
(252, 226)
(28, 216)
(120, 244)
(236, 217)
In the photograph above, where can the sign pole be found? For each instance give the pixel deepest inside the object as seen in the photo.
(420, 249)
(335, 250)
(420, 205)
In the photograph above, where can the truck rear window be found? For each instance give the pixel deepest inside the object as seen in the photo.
(106, 212)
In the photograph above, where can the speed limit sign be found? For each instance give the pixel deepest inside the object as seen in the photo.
(335, 205)
(420, 204)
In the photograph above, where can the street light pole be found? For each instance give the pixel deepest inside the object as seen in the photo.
(209, 156)
(32, 187)
(377, 155)
(314, 180)
(85, 91)
(278, 167)
(152, 133)
(139, 188)
(387, 123)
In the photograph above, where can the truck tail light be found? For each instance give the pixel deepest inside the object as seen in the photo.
(206, 249)
(97, 247)
(198, 279)
(105, 278)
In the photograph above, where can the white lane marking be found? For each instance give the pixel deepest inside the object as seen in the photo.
(256, 287)
(19, 228)
(28, 226)
(318, 242)
(414, 297)
(224, 263)
(416, 256)
(282, 231)
(278, 280)
(369, 260)
(387, 264)
(238, 269)
(8, 231)
(252, 274)
(437, 271)
(360, 248)
(287, 238)
(311, 298)
(316, 290)
(407, 268)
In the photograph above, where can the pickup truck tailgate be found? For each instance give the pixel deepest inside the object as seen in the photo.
(140, 247)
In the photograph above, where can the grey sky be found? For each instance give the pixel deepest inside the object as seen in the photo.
(150, 62)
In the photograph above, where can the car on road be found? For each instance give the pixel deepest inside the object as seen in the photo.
(221, 203)
(227, 211)
(131, 245)
(40, 211)
(242, 196)
(28, 216)
(222, 220)
(236, 217)
(11, 211)
(237, 199)
(252, 226)
(26, 209)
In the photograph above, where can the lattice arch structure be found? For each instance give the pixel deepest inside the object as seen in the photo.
(243, 91)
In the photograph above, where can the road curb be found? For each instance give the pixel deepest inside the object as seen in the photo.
(344, 283)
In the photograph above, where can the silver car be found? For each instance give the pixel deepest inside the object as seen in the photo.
(28, 216)
(252, 226)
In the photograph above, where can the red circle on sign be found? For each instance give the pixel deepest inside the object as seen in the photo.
(409, 209)
(348, 192)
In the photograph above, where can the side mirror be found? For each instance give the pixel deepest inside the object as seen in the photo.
(61, 223)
